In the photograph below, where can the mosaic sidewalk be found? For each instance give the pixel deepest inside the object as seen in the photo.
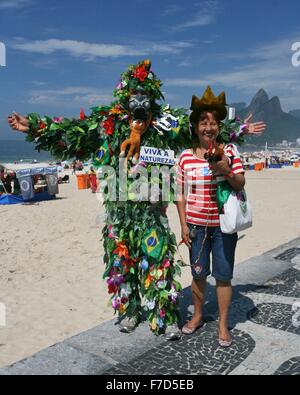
(265, 322)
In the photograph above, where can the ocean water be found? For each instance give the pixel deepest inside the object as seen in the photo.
(14, 150)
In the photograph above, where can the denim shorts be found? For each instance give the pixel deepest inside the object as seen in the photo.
(221, 245)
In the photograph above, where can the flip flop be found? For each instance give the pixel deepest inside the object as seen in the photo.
(188, 330)
(224, 343)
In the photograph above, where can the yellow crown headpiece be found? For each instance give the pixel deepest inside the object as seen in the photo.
(209, 102)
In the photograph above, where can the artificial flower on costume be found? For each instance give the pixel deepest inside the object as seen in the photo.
(166, 263)
(111, 234)
(140, 73)
(122, 250)
(154, 324)
(42, 125)
(162, 313)
(151, 305)
(122, 309)
(148, 281)
(109, 126)
(162, 284)
(144, 264)
(82, 115)
(125, 290)
(152, 245)
(102, 156)
(159, 274)
(128, 264)
(160, 323)
(116, 279)
(173, 295)
(117, 110)
(121, 85)
(58, 119)
(116, 303)
(117, 263)
(112, 289)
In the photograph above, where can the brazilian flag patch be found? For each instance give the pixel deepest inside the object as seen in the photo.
(102, 156)
(152, 245)
(175, 128)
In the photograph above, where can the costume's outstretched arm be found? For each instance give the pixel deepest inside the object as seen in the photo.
(64, 138)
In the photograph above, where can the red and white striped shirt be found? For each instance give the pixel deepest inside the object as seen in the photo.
(200, 185)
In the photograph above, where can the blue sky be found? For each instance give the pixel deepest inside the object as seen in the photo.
(64, 55)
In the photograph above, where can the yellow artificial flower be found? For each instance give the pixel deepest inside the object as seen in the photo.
(148, 282)
(159, 274)
(122, 309)
(154, 324)
(116, 111)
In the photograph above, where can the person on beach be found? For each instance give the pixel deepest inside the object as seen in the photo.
(198, 209)
(93, 180)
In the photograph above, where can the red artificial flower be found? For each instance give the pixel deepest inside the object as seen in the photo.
(122, 250)
(162, 313)
(42, 125)
(109, 126)
(140, 73)
(82, 115)
(112, 289)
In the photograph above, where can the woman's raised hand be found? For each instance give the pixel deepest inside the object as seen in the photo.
(256, 128)
(18, 122)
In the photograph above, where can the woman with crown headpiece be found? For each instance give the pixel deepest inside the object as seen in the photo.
(210, 160)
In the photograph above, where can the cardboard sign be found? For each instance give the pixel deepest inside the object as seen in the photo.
(156, 155)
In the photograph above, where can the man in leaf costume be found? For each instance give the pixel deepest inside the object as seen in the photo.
(139, 246)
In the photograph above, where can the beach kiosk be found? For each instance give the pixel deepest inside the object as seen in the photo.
(32, 191)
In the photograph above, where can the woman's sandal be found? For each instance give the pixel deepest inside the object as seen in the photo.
(188, 330)
(225, 343)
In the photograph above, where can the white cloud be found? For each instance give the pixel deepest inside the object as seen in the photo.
(186, 82)
(172, 9)
(205, 15)
(12, 4)
(268, 66)
(69, 96)
(91, 50)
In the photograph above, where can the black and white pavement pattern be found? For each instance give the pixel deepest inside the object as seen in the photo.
(265, 322)
(266, 332)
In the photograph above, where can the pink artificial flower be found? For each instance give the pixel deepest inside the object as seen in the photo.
(58, 119)
(166, 263)
(162, 313)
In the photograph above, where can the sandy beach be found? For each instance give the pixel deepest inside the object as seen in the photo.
(51, 266)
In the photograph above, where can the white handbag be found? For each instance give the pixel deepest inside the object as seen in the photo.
(237, 213)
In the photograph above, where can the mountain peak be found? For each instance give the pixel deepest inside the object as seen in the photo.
(261, 96)
(259, 100)
(280, 125)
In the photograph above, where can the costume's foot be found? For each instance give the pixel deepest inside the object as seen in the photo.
(128, 325)
(173, 332)
(189, 328)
